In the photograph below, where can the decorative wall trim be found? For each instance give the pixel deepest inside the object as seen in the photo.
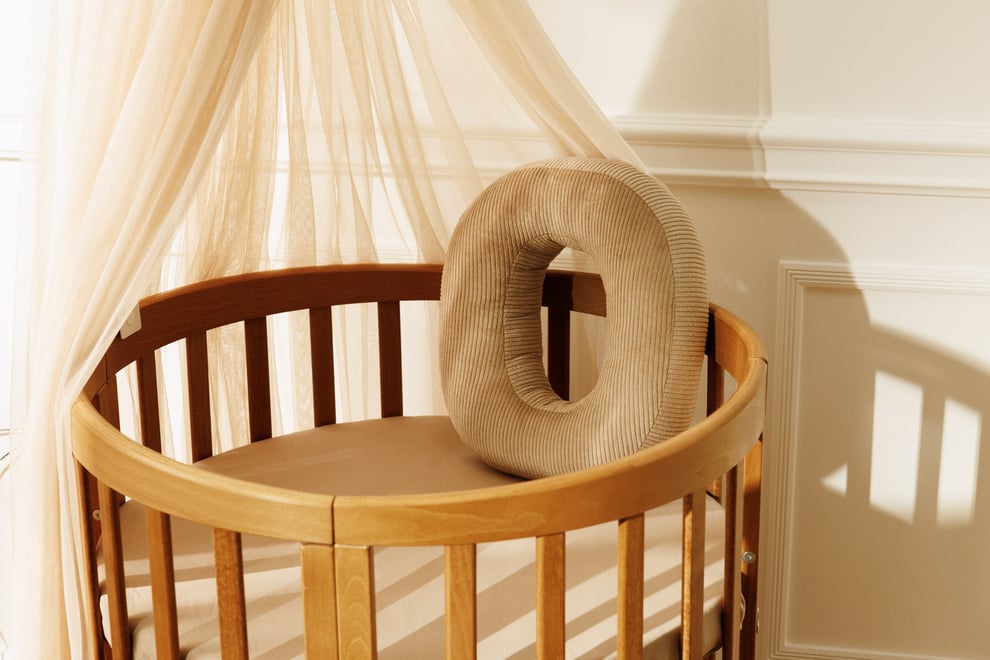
(788, 153)
(795, 279)
(781, 153)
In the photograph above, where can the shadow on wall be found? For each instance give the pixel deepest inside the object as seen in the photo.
(710, 59)
(877, 484)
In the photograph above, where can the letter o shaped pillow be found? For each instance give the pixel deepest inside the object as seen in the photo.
(652, 267)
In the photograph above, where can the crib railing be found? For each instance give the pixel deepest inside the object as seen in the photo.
(720, 455)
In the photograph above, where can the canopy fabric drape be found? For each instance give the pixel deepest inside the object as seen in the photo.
(178, 141)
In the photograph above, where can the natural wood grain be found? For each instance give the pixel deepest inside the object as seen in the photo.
(113, 560)
(356, 602)
(321, 359)
(751, 543)
(579, 292)
(91, 592)
(198, 380)
(731, 581)
(460, 601)
(231, 607)
(541, 508)
(630, 587)
(258, 378)
(109, 401)
(319, 601)
(390, 358)
(693, 577)
(150, 420)
(535, 508)
(174, 315)
(715, 394)
(559, 351)
(159, 528)
(181, 490)
(550, 589)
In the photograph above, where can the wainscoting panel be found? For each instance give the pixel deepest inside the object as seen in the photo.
(878, 464)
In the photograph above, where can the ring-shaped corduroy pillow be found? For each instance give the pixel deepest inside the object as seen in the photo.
(652, 267)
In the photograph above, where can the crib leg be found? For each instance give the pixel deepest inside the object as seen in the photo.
(355, 602)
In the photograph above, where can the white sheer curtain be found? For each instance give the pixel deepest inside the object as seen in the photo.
(134, 97)
(181, 140)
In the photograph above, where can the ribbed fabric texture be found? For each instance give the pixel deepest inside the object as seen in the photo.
(653, 269)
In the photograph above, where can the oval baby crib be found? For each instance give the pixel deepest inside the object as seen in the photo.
(387, 537)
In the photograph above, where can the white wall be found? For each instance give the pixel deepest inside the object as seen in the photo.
(836, 157)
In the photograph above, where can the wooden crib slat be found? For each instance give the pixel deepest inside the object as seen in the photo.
(230, 593)
(460, 580)
(91, 594)
(731, 581)
(753, 470)
(321, 357)
(693, 576)
(715, 397)
(319, 604)
(159, 528)
(550, 588)
(258, 380)
(108, 402)
(113, 558)
(356, 602)
(715, 386)
(559, 351)
(198, 377)
(151, 428)
(630, 588)
(390, 358)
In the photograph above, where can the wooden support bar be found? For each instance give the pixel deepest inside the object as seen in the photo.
(198, 377)
(550, 589)
(715, 397)
(630, 589)
(231, 610)
(732, 580)
(107, 401)
(113, 559)
(751, 544)
(355, 602)
(559, 351)
(151, 427)
(390, 358)
(90, 536)
(693, 577)
(321, 357)
(319, 601)
(716, 386)
(159, 528)
(460, 581)
(258, 379)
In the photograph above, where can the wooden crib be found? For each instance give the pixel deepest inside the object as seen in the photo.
(296, 506)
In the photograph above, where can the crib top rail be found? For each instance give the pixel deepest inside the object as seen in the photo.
(174, 315)
(702, 453)
(722, 448)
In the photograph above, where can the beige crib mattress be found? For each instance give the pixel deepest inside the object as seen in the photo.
(425, 455)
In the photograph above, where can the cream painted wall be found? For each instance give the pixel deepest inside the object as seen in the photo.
(836, 157)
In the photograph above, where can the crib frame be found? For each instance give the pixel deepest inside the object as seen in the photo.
(721, 455)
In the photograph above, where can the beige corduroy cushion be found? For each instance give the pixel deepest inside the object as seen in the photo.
(653, 270)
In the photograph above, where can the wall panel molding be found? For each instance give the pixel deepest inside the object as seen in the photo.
(789, 153)
(796, 279)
